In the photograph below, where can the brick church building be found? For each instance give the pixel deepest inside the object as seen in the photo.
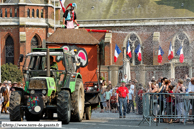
(23, 26)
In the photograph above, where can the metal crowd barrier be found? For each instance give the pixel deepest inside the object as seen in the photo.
(161, 106)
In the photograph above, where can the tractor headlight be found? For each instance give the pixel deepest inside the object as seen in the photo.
(43, 91)
(32, 92)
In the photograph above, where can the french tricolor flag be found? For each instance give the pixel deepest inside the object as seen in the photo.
(170, 53)
(128, 49)
(160, 54)
(117, 52)
(63, 8)
(138, 52)
(180, 53)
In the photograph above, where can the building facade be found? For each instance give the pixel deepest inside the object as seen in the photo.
(23, 26)
(149, 23)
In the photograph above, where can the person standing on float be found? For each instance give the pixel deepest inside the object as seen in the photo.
(69, 17)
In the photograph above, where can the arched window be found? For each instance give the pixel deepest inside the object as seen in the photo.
(120, 77)
(133, 41)
(42, 13)
(37, 13)
(34, 42)
(5, 12)
(16, 12)
(10, 12)
(1, 13)
(9, 50)
(32, 12)
(28, 13)
(181, 39)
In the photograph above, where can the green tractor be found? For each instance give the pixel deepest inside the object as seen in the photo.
(47, 89)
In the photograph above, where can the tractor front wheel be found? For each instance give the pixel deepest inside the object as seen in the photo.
(78, 99)
(63, 106)
(16, 113)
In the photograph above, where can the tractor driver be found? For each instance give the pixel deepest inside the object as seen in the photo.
(53, 65)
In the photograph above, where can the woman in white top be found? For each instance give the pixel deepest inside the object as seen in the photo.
(153, 89)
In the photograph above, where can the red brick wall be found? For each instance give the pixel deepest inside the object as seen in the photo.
(145, 34)
(24, 47)
(89, 72)
(8, 10)
(31, 32)
(35, 8)
(22, 11)
(98, 36)
(117, 38)
(14, 33)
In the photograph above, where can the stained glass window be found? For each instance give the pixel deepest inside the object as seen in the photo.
(34, 42)
(9, 50)
(133, 40)
(182, 39)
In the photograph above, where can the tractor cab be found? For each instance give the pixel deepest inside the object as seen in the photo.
(47, 67)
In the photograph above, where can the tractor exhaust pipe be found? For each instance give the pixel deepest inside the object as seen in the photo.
(48, 63)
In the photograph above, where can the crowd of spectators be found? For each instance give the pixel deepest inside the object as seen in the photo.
(5, 92)
(108, 96)
(167, 102)
(162, 103)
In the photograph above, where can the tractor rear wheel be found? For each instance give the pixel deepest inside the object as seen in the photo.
(16, 113)
(78, 99)
(63, 106)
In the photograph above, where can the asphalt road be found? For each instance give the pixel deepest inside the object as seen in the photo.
(112, 121)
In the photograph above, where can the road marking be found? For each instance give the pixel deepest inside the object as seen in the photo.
(107, 125)
(85, 123)
(120, 125)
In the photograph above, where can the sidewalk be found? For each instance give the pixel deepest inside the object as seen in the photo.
(130, 116)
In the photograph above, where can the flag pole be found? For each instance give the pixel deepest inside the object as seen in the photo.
(54, 15)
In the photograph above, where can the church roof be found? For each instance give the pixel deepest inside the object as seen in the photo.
(26, 1)
(132, 9)
(72, 36)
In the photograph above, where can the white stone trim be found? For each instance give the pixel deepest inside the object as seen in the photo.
(138, 24)
(28, 21)
(9, 23)
(28, 4)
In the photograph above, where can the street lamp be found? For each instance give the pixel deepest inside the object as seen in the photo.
(124, 66)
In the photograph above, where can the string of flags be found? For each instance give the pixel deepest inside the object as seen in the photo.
(137, 51)
(160, 53)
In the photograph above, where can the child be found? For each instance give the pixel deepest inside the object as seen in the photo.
(140, 102)
(107, 97)
(113, 101)
(170, 101)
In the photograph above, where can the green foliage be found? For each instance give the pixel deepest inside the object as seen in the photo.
(11, 73)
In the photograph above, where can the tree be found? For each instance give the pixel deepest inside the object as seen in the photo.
(11, 73)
